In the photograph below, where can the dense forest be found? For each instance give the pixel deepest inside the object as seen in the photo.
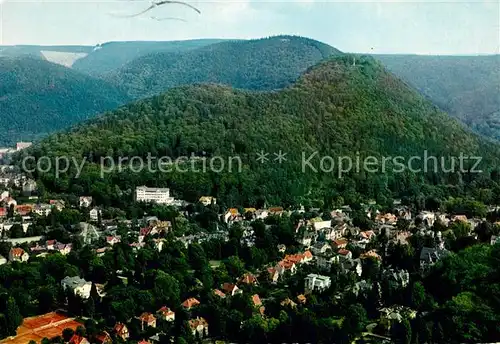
(262, 64)
(467, 87)
(38, 97)
(346, 106)
(110, 56)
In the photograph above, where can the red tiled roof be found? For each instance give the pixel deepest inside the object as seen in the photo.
(147, 317)
(17, 252)
(248, 278)
(256, 300)
(219, 293)
(191, 302)
(76, 339)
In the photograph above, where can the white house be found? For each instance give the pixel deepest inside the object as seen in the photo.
(155, 195)
(207, 200)
(3, 260)
(85, 201)
(317, 282)
(17, 254)
(200, 326)
(94, 214)
(78, 285)
(4, 195)
(317, 225)
(166, 313)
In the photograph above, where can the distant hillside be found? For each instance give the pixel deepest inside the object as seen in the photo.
(38, 97)
(263, 64)
(336, 108)
(102, 58)
(113, 55)
(467, 87)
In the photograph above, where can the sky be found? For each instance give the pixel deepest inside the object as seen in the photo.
(423, 27)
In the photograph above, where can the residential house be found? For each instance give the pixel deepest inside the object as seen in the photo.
(429, 256)
(111, 240)
(320, 248)
(231, 289)
(59, 204)
(103, 338)
(318, 224)
(4, 195)
(23, 209)
(121, 331)
(282, 267)
(3, 212)
(367, 235)
(248, 279)
(257, 303)
(199, 326)
(190, 303)
(307, 239)
(277, 211)
(78, 285)
(147, 320)
(3, 260)
(94, 214)
(9, 201)
(326, 260)
(345, 254)
(495, 240)
(301, 299)
(63, 249)
(85, 201)
(49, 244)
(17, 254)
(354, 265)
(42, 209)
(158, 244)
(314, 282)
(273, 274)
(288, 303)
(281, 248)
(427, 217)
(402, 237)
(29, 187)
(459, 218)
(261, 214)
(340, 243)
(232, 215)
(207, 200)
(219, 293)
(388, 219)
(76, 339)
(371, 254)
(401, 277)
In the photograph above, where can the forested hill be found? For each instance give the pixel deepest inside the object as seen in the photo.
(342, 107)
(110, 56)
(262, 64)
(38, 97)
(467, 87)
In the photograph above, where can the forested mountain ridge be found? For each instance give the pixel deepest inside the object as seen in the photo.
(345, 106)
(111, 56)
(261, 64)
(467, 87)
(38, 97)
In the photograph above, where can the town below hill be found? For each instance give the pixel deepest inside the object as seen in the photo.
(162, 270)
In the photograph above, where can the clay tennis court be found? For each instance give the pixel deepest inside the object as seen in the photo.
(49, 325)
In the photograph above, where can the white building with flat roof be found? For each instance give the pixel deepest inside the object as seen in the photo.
(317, 282)
(155, 195)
